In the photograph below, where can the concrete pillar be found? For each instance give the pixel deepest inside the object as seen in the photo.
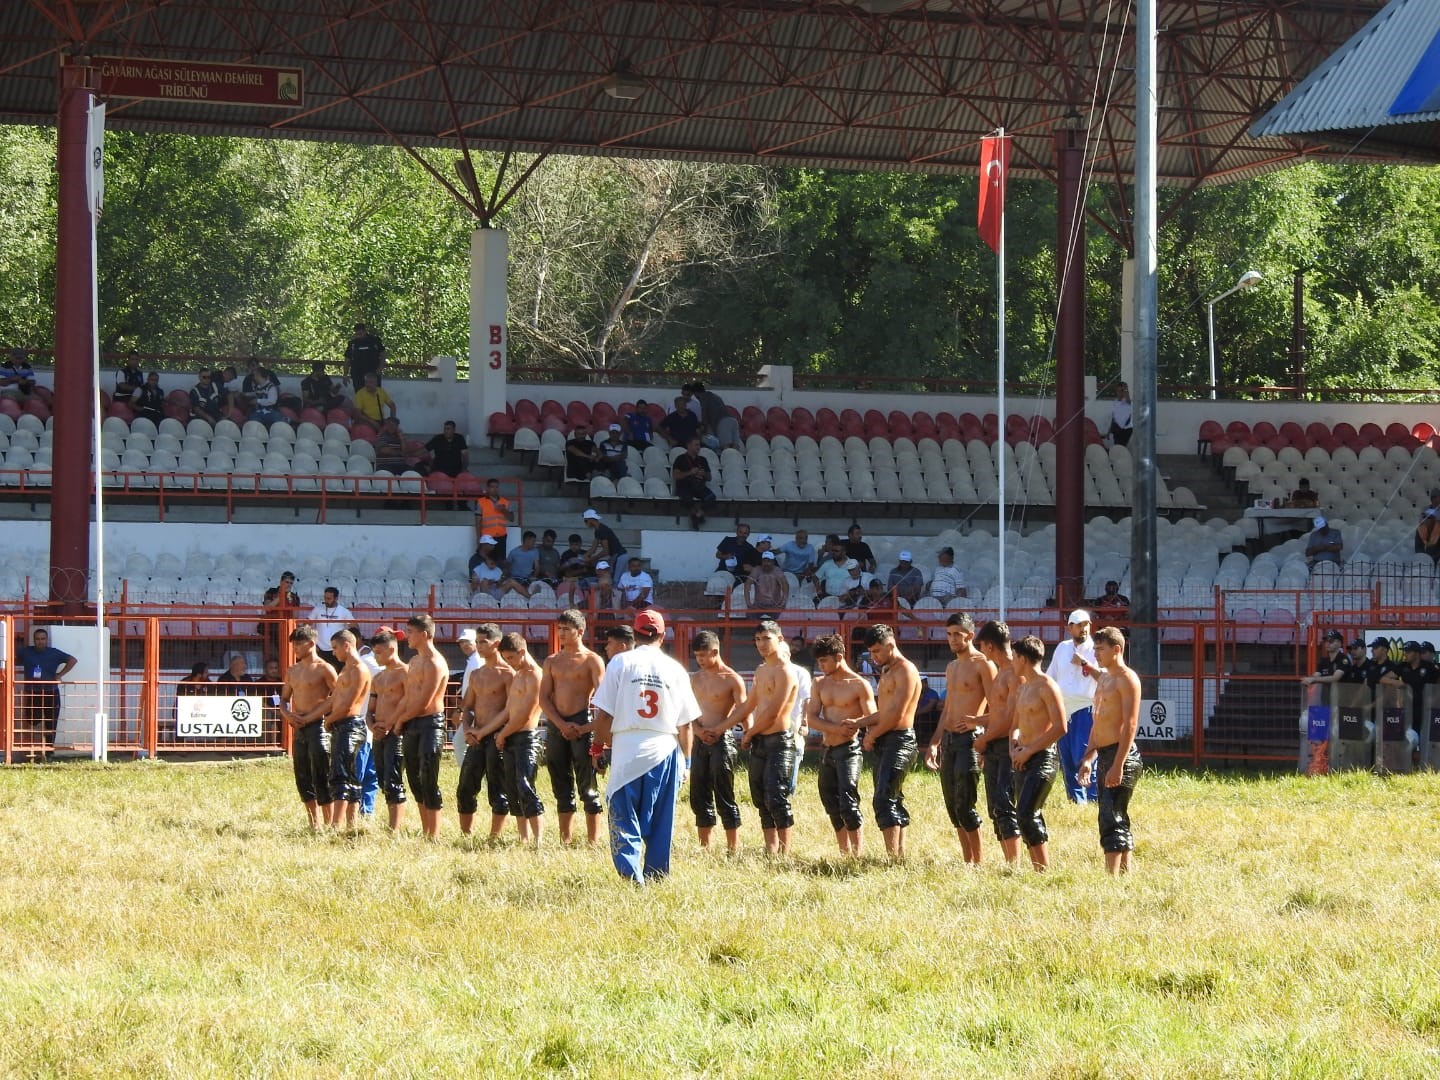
(1070, 370)
(74, 349)
(489, 331)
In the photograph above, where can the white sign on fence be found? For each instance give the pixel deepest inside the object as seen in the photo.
(218, 717)
(1157, 719)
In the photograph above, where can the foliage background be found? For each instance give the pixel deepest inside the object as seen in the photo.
(233, 247)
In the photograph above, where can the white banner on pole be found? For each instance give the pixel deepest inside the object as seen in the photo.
(95, 158)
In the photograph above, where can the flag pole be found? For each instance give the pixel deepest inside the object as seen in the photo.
(1000, 373)
(100, 740)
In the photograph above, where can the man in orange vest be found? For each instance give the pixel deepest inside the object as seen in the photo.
(493, 517)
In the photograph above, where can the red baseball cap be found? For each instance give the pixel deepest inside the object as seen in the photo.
(400, 634)
(649, 621)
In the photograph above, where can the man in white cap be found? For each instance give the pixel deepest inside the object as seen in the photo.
(643, 709)
(1074, 668)
(1324, 545)
(604, 543)
(612, 453)
(906, 580)
(767, 591)
(473, 662)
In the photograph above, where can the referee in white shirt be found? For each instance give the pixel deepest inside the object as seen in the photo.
(1073, 667)
(330, 617)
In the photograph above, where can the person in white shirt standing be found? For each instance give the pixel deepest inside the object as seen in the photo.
(473, 661)
(330, 617)
(1074, 669)
(643, 708)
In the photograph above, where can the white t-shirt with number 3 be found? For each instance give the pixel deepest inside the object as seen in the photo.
(648, 696)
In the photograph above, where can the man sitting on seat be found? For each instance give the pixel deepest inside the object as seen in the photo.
(1112, 600)
(205, 398)
(372, 400)
(948, 581)
(833, 576)
(1325, 544)
(582, 456)
(906, 581)
(1304, 497)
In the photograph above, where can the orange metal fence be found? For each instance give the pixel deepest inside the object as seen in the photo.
(1226, 693)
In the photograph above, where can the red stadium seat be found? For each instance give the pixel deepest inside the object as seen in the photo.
(120, 411)
(1347, 435)
(363, 431)
(440, 484)
(752, 414)
(925, 426)
(499, 423)
(1423, 431)
(1276, 442)
(469, 484)
(1317, 431)
(551, 407)
(577, 413)
(1370, 434)
(752, 426)
(777, 421)
(1238, 429)
(901, 426)
(1092, 430)
(1293, 431)
(312, 416)
(1397, 431)
(1264, 431)
(526, 411)
(342, 417)
(554, 423)
(603, 414)
(1205, 439)
(826, 416)
(851, 423)
(989, 427)
(36, 407)
(948, 425)
(1044, 430)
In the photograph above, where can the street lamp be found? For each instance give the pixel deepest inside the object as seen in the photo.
(1248, 280)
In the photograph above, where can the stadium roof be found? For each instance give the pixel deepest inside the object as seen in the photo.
(1379, 92)
(853, 84)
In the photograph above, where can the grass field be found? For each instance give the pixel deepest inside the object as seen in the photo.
(177, 920)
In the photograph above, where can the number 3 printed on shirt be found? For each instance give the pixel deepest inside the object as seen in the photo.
(651, 708)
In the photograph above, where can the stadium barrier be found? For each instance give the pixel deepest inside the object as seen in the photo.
(1225, 696)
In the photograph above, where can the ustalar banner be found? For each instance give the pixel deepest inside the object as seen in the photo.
(217, 84)
(218, 717)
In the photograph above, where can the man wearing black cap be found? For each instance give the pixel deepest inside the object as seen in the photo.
(1359, 665)
(1380, 662)
(1333, 665)
(1416, 674)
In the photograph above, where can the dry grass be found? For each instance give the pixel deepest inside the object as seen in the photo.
(176, 920)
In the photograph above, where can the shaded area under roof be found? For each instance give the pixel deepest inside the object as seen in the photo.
(787, 82)
(1380, 92)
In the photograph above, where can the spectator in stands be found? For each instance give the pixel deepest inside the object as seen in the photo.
(199, 673)
(906, 580)
(832, 577)
(691, 475)
(280, 602)
(1333, 665)
(682, 425)
(582, 456)
(798, 556)
(1112, 599)
(574, 568)
(236, 678)
(449, 453)
(17, 377)
(766, 590)
(205, 397)
(129, 380)
(601, 589)
(1427, 533)
(372, 401)
(639, 428)
(318, 390)
(266, 395)
(857, 549)
(719, 429)
(738, 547)
(493, 516)
(230, 395)
(605, 544)
(948, 581)
(1304, 496)
(486, 573)
(612, 454)
(762, 543)
(396, 455)
(636, 587)
(1122, 416)
(365, 354)
(547, 559)
(853, 588)
(1324, 545)
(520, 567)
(875, 596)
(149, 400)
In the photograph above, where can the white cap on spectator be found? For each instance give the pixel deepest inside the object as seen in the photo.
(851, 564)
(614, 427)
(763, 538)
(730, 562)
(466, 635)
(488, 540)
(1079, 615)
(591, 514)
(602, 565)
(768, 555)
(1319, 522)
(904, 556)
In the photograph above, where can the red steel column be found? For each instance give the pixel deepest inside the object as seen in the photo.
(1070, 370)
(74, 351)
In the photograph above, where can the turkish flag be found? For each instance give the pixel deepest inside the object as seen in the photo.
(994, 164)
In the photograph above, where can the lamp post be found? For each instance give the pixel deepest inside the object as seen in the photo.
(1248, 280)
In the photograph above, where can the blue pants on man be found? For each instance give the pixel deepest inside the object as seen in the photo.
(1072, 749)
(642, 821)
